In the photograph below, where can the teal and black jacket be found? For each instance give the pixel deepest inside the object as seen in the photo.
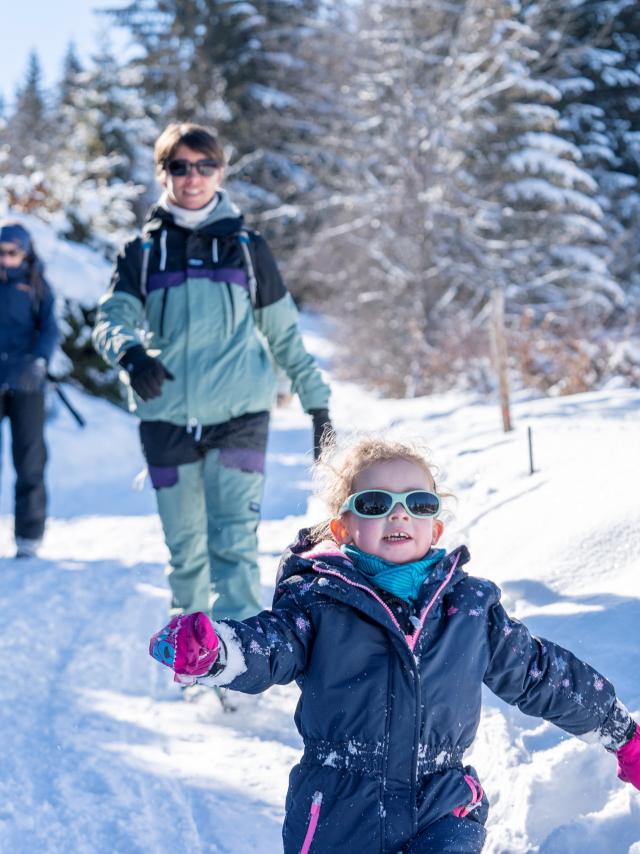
(196, 315)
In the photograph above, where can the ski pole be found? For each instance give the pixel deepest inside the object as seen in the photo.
(63, 397)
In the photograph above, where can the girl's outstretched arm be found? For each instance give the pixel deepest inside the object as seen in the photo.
(250, 656)
(547, 681)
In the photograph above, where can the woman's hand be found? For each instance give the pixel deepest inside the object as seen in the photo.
(146, 373)
(33, 376)
(322, 429)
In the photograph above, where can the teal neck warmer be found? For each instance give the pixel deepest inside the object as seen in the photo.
(402, 579)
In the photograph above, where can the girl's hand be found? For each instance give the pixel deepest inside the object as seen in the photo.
(629, 760)
(188, 644)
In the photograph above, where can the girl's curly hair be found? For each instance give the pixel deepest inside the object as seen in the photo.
(341, 462)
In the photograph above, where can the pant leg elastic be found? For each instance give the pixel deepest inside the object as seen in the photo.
(233, 498)
(450, 835)
(183, 515)
(26, 415)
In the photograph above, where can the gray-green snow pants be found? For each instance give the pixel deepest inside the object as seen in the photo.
(210, 518)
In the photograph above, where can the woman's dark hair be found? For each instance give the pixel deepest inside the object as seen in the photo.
(194, 136)
(36, 277)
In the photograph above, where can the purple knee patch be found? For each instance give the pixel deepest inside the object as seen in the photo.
(163, 476)
(245, 459)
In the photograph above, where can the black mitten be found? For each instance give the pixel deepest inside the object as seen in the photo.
(147, 374)
(322, 429)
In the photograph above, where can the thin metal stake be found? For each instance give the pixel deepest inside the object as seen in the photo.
(530, 438)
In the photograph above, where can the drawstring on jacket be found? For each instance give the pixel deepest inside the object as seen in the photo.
(163, 249)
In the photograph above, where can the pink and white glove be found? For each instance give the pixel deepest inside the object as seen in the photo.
(629, 760)
(188, 644)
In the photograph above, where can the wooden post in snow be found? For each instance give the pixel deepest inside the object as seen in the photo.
(499, 354)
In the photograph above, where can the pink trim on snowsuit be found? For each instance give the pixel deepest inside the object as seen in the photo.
(411, 639)
(477, 793)
(314, 815)
(325, 548)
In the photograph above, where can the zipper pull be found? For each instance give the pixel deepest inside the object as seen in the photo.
(139, 479)
(193, 426)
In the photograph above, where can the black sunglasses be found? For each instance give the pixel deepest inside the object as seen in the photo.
(180, 168)
(10, 253)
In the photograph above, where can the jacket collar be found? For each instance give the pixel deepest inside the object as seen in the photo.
(328, 551)
(15, 274)
(224, 219)
(353, 587)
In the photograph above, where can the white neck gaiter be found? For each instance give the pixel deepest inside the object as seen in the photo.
(185, 217)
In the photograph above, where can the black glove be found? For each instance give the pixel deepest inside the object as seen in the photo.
(322, 429)
(146, 373)
(33, 376)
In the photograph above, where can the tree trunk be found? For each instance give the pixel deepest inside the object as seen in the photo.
(499, 354)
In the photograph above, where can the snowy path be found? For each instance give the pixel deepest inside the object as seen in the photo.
(100, 756)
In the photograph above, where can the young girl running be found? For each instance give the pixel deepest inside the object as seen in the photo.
(390, 641)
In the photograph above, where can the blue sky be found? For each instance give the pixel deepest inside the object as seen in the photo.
(47, 27)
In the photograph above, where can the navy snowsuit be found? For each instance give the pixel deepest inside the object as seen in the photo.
(387, 716)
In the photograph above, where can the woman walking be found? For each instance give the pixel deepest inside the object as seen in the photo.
(28, 336)
(197, 315)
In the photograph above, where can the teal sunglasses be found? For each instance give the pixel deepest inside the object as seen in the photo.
(376, 503)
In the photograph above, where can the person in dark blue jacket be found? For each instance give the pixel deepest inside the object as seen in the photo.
(390, 642)
(28, 336)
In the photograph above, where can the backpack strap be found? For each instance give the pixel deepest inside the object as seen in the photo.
(244, 239)
(147, 246)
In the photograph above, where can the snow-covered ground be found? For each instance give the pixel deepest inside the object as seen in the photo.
(98, 753)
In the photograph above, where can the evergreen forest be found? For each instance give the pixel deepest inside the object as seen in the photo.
(406, 159)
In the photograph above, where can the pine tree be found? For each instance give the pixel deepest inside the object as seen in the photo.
(25, 138)
(84, 367)
(103, 165)
(83, 175)
(71, 71)
(104, 152)
(596, 60)
(378, 257)
(29, 124)
(459, 181)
